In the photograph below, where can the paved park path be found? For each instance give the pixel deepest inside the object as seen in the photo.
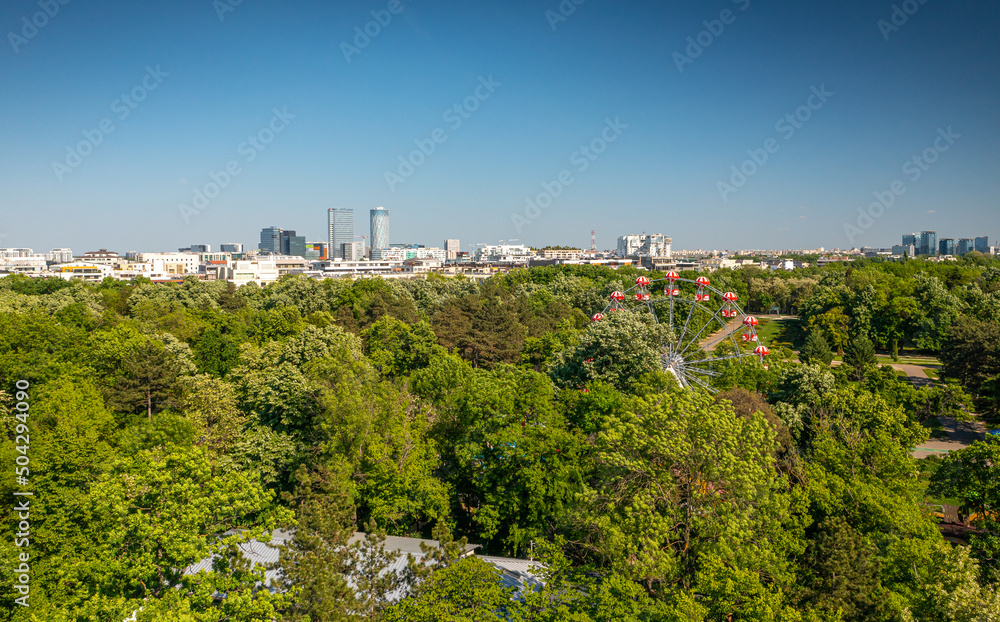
(710, 343)
(961, 434)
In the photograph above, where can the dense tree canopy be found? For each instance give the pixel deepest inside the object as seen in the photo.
(170, 423)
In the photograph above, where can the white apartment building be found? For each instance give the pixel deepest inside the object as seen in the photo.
(403, 254)
(336, 269)
(504, 254)
(653, 245)
(92, 272)
(60, 255)
(22, 261)
(564, 254)
(261, 272)
(210, 257)
(172, 263)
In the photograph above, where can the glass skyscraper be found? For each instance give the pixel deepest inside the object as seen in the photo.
(946, 246)
(270, 240)
(983, 244)
(293, 245)
(380, 232)
(341, 225)
(928, 243)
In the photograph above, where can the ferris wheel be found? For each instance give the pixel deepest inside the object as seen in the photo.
(703, 328)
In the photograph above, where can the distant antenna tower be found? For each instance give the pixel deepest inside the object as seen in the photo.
(593, 240)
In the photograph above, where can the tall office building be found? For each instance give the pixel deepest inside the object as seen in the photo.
(341, 227)
(270, 240)
(983, 244)
(380, 232)
(293, 245)
(928, 243)
(353, 251)
(231, 247)
(965, 246)
(911, 239)
(452, 248)
(316, 251)
(946, 246)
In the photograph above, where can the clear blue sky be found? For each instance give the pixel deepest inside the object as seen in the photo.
(354, 119)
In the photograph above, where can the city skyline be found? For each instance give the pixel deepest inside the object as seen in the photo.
(738, 124)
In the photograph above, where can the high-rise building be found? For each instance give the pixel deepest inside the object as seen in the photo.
(60, 255)
(946, 246)
(201, 248)
(316, 251)
(983, 244)
(270, 240)
(965, 246)
(928, 243)
(911, 239)
(340, 222)
(452, 248)
(380, 232)
(293, 245)
(656, 245)
(231, 248)
(352, 251)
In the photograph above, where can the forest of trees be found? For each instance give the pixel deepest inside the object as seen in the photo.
(164, 417)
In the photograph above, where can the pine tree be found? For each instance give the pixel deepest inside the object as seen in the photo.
(859, 354)
(816, 349)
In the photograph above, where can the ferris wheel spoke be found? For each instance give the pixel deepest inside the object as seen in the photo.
(701, 383)
(715, 316)
(705, 372)
(687, 323)
(717, 359)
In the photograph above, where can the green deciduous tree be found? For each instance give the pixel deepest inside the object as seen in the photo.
(971, 355)
(672, 470)
(972, 475)
(618, 350)
(467, 591)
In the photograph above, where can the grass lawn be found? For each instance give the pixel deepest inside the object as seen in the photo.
(932, 373)
(781, 333)
(923, 361)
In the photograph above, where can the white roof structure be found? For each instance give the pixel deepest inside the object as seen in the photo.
(514, 573)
